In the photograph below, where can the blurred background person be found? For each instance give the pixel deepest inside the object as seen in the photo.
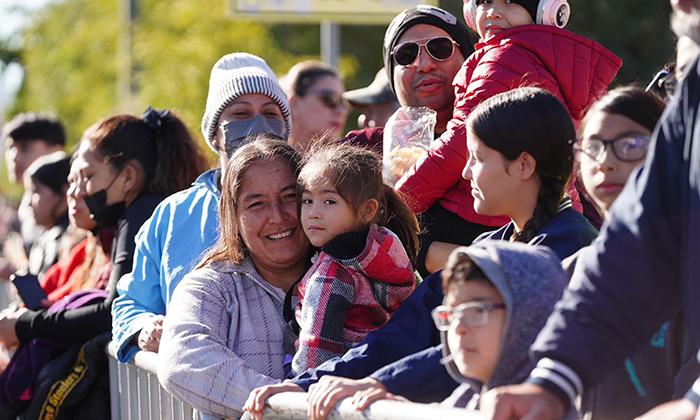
(319, 111)
(377, 101)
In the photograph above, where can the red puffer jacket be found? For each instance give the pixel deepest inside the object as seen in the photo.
(577, 70)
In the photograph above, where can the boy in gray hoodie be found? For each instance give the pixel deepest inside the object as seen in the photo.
(498, 296)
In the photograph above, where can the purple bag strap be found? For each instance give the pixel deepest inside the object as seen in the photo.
(78, 300)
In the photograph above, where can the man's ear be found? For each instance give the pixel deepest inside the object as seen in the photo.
(368, 210)
(525, 166)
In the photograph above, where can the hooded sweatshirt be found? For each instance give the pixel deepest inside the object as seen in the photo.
(168, 246)
(530, 280)
(575, 69)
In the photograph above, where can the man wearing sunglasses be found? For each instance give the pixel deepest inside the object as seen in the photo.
(424, 48)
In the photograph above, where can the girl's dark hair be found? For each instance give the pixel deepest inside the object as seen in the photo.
(303, 75)
(461, 269)
(530, 120)
(629, 101)
(260, 147)
(356, 173)
(168, 155)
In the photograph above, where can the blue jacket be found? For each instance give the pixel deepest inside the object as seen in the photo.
(568, 232)
(404, 355)
(168, 246)
(645, 265)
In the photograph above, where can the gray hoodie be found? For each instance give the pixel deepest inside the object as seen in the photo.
(530, 280)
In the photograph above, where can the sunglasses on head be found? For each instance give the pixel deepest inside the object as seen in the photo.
(331, 99)
(440, 48)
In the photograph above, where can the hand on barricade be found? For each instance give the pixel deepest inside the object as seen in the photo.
(256, 400)
(363, 399)
(149, 337)
(523, 402)
(329, 390)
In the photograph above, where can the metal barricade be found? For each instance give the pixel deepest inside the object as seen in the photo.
(293, 406)
(135, 393)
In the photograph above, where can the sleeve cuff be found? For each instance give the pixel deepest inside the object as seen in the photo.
(558, 379)
(23, 327)
(693, 395)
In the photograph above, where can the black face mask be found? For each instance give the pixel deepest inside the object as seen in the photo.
(106, 216)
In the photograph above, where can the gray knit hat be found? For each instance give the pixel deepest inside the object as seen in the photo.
(235, 75)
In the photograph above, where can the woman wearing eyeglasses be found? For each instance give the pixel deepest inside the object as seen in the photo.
(612, 142)
(319, 111)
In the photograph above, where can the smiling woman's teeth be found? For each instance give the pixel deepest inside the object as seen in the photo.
(281, 235)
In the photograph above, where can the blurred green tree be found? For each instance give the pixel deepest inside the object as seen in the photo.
(70, 52)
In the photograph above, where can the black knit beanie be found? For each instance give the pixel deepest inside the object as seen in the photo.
(52, 172)
(531, 6)
(428, 15)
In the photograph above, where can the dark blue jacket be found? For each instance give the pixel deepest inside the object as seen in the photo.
(646, 264)
(404, 355)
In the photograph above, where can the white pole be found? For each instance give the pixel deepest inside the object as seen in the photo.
(330, 43)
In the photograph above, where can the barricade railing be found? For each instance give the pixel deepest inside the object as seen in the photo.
(293, 406)
(136, 394)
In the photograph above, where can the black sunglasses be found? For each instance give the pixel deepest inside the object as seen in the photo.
(440, 48)
(329, 98)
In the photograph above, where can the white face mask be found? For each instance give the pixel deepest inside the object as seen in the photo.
(236, 132)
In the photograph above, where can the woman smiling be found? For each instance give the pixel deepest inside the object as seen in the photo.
(225, 333)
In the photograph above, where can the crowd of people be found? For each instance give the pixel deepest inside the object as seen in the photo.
(535, 262)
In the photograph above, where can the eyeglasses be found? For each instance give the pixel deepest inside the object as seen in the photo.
(664, 82)
(440, 48)
(329, 98)
(627, 147)
(471, 314)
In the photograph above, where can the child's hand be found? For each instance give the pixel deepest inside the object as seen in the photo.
(363, 399)
(329, 390)
(256, 400)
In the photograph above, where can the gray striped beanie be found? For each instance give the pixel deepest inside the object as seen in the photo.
(235, 75)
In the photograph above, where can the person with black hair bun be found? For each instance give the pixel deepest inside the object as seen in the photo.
(123, 168)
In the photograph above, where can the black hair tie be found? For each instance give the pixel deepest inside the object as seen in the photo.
(154, 118)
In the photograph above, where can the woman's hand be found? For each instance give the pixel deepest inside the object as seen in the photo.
(149, 337)
(8, 320)
(329, 390)
(256, 400)
(363, 399)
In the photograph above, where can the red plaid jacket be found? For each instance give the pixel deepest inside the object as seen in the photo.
(358, 281)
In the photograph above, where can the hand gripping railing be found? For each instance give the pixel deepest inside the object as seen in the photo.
(293, 406)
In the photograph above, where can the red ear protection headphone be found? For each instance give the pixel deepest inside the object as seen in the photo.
(549, 12)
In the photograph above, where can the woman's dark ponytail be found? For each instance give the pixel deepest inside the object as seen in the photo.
(548, 200)
(180, 159)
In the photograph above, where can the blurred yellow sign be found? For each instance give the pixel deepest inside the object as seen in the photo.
(341, 11)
